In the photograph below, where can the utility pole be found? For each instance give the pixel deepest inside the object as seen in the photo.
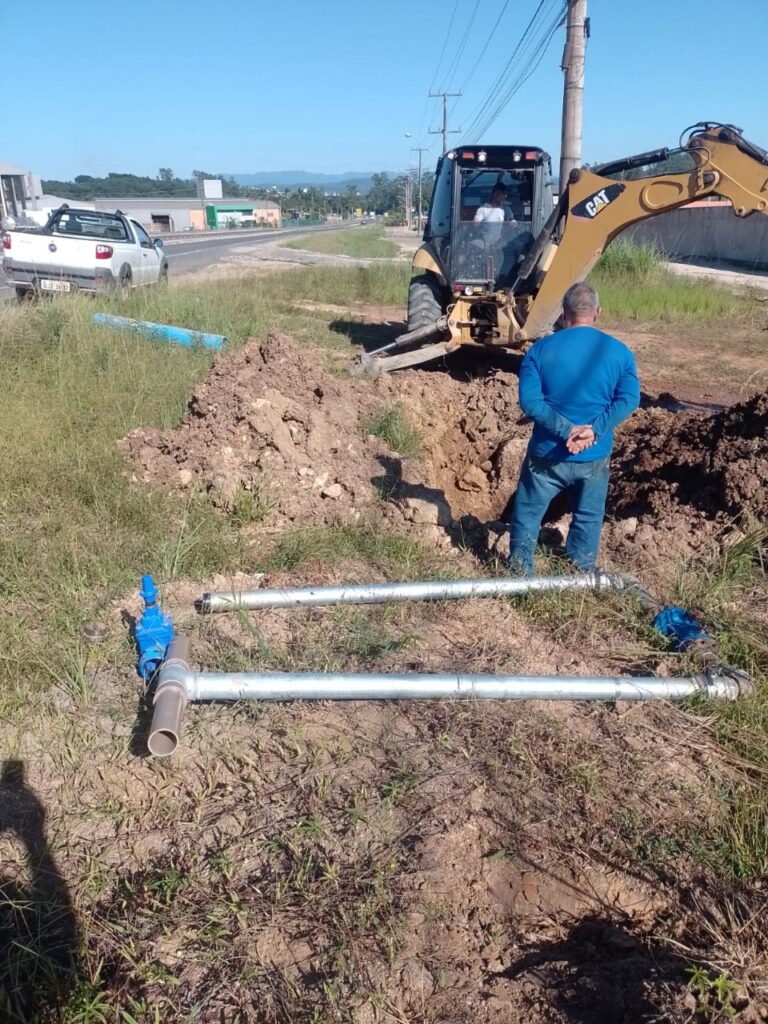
(444, 130)
(577, 33)
(419, 150)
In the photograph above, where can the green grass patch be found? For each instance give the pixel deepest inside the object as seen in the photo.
(362, 243)
(76, 529)
(393, 554)
(634, 284)
(392, 425)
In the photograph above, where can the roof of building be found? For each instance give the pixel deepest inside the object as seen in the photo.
(175, 203)
(11, 169)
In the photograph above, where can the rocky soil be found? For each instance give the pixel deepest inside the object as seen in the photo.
(271, 422)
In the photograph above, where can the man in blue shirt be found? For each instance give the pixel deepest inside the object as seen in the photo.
(576, 385)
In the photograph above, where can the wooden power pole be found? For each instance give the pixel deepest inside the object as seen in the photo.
(419, 150)
(444, 131)
(577, 32)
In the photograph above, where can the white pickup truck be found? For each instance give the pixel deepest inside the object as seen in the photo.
(83, 250)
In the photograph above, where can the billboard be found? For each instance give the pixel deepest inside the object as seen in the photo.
(210, 188)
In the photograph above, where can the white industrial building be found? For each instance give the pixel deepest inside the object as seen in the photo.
(163, 215)
(20, 191)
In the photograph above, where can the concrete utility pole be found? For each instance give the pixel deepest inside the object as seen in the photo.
(577, 33)
(444, 130)
(419, 150)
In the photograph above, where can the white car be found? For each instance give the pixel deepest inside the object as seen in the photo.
(83, 250)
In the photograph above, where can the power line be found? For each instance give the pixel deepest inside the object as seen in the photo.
(490, 97)
(487, 43)
(445, 43)
(533, 52)
(527, 71)
(462, 46)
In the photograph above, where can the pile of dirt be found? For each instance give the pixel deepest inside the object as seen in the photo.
(680, 478)
(271, 422)
(267, 420)
(673, 462)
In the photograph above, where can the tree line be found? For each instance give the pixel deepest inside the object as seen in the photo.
(385, 196)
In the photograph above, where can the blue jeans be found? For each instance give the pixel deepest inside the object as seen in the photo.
(586, 484)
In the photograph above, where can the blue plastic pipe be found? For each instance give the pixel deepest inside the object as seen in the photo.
(159, 332)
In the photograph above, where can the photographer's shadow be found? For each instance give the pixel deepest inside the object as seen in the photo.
(38, 933)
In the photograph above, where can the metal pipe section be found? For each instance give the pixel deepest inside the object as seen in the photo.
(380, 593)
(282, 686)
(178, 684)
(170, 697)
(159, 332)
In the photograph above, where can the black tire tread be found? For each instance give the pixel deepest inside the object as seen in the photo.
(425, 301)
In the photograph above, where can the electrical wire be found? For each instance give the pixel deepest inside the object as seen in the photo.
(490, 97)
(455, 63)
(531, 52)
(531, 49)
(445, 44)
(525, 73)
(487, 43)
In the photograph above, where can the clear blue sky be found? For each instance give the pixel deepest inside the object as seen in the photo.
(93, 86)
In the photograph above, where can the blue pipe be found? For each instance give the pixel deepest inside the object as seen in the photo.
(159, 332)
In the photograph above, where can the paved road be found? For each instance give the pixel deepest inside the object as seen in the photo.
(186, 254)
(195, 253)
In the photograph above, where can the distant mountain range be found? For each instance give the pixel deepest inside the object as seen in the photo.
(307, 179)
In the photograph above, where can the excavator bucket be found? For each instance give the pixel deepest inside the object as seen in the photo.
(386, 359)
(372, 364)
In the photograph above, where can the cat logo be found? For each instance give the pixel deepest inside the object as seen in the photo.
(592, 205)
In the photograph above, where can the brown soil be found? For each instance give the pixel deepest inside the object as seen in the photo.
(269, 420)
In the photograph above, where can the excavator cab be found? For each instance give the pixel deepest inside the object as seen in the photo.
(488, 205)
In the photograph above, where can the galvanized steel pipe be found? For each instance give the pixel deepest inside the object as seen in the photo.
(178, 683)
(380, 593)
(413, 686)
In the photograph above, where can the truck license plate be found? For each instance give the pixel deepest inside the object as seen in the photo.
(55, 286)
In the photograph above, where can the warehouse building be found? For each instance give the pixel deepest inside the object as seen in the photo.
(165, 215)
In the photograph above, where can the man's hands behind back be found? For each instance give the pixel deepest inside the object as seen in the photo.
(580, 438)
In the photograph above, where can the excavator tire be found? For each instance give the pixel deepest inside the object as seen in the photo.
(425, 301)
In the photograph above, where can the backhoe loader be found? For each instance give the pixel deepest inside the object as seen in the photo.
(498, 279)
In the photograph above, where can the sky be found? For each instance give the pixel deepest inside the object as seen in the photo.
(93, 86)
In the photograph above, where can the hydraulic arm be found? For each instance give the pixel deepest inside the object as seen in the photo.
(599, 204)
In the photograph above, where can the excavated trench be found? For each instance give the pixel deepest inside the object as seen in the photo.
(270, 422)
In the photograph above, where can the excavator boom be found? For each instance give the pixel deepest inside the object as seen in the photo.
(595, 208)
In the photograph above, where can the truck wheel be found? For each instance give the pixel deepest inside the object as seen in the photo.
(425, 301)
(124, 281)
(22, 294)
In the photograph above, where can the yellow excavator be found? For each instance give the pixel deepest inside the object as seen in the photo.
(498, 255)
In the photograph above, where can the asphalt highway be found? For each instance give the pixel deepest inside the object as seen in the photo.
(185, 254)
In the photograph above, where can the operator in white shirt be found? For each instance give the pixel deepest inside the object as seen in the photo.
(493, 211)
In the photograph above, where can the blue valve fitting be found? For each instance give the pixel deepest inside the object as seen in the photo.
(680, 626)
(154, 630)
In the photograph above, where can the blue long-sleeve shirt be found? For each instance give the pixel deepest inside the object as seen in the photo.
(577, 376)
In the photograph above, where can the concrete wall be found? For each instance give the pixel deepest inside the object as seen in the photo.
(709, 232)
